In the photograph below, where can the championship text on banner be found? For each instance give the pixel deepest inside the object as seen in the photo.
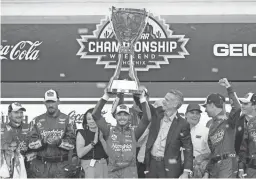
(88, 52)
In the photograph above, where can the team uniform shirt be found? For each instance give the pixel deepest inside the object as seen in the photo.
(54, 127)
(221, 138)
(121, 142)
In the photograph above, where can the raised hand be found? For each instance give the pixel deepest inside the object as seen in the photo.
(108, 94)
(224, 82)
(143, 94)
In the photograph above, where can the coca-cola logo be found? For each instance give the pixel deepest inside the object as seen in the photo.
(23, 50)
(78, 118)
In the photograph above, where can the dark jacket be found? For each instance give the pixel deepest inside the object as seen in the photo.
(178, 136)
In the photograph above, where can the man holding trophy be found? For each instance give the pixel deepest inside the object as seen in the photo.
(128, 25)
(122, 138)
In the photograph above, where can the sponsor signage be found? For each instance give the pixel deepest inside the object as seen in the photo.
(155, 47)
(165, 52)
(23, 50)
(234, 50)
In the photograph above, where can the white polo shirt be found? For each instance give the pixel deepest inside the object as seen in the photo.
(199, 137)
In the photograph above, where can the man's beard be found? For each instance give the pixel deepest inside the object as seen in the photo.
(51, 111)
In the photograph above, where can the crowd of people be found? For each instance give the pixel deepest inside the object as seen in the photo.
(148, 141)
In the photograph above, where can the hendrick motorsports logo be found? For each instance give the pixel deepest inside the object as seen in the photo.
(155, 47)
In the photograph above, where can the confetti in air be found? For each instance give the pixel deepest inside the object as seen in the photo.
(83, 31)
(62, 75)
(215, 70)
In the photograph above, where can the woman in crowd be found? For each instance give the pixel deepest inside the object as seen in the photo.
(12, 162)
(90, 147)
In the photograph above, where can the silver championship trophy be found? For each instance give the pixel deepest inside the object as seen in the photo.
(128, 25)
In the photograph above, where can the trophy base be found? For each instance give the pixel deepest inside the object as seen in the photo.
(124, 86)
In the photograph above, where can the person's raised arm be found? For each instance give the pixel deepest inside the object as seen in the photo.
(146, 118)
(236, 107)
(96, 114)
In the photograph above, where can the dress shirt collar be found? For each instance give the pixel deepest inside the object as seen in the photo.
(171, 117)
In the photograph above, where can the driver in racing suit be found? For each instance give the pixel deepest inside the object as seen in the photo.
(53, 137)
(20, 130)
(121, 139)
(221, 138)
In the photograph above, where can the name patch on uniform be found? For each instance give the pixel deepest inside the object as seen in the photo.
(62, 120)
(41, 120)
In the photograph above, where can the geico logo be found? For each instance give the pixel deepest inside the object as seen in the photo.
(234, 50)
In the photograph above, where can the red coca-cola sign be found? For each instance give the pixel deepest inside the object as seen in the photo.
(23, 50)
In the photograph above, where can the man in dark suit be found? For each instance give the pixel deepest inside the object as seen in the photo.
(167, 134)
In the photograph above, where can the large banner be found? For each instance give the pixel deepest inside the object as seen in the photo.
(165, 52)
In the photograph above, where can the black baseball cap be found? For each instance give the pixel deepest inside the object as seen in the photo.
(215, 98)
(193, 107)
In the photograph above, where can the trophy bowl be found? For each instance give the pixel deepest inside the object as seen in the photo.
(128, 25)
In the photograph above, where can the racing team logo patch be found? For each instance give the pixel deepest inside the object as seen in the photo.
(113, 137)
(39, 125)
(156, 46)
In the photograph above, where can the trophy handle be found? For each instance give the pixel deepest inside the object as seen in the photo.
(117, 71)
